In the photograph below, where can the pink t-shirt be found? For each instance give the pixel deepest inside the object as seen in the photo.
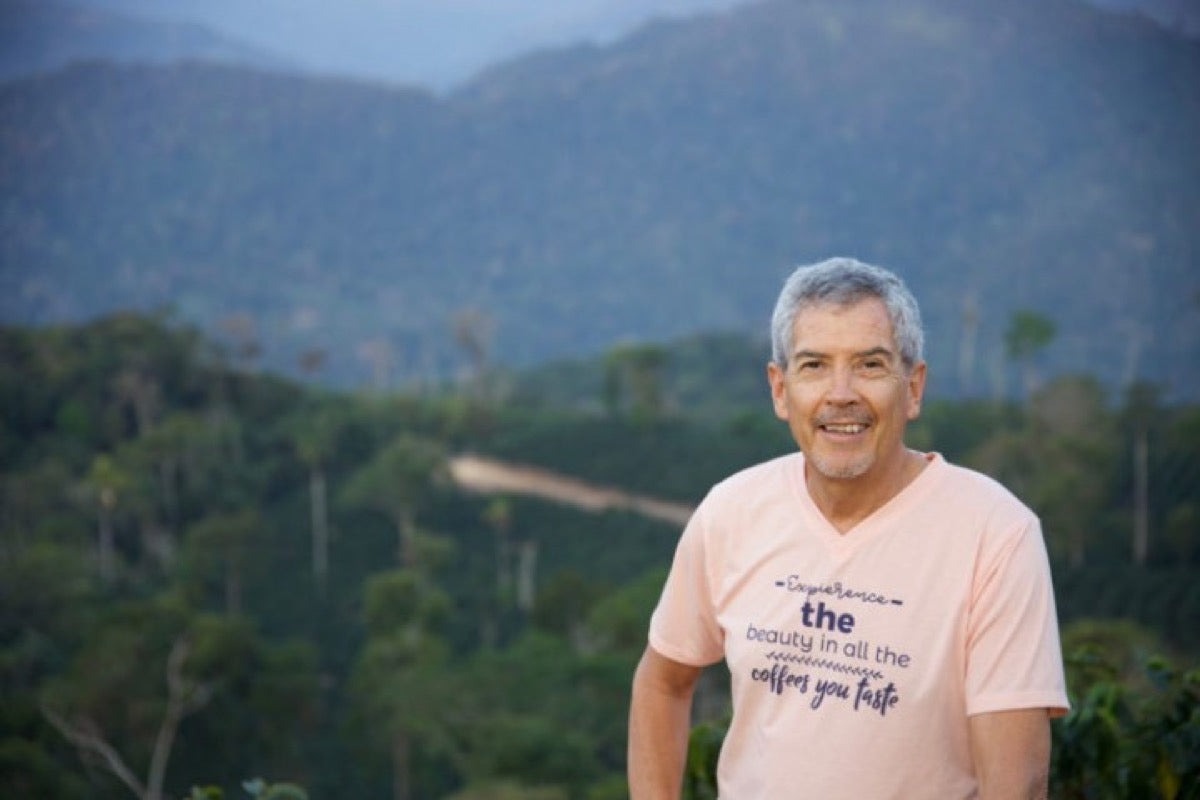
(857, 658)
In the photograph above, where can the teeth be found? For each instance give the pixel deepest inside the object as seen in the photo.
(850, 428)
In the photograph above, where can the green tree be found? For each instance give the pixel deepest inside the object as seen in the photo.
(135, 387)
(1058, 461)
(92, 704)
(618, 620)
(1027, 335)
(49, 601)
(1074, 435)
(634, 379)
(507, 731)
(225, 540)
(399, 679)
(1182, 530)
(396, 482)
(313, 435)
(106, 481)
(498, 515)
(1141, 409)
(147, 666)
(1176, 485)
(178, 453)
(510, 790)
(563, 604)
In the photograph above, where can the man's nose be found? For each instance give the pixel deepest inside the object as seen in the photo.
(841, 387)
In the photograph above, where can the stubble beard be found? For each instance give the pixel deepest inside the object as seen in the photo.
(837, 469)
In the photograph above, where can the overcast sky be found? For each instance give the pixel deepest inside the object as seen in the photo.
(437, 43)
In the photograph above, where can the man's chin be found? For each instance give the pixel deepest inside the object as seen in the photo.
(837, 469)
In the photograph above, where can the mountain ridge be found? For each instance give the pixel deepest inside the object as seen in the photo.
(38, 36)
(409, 42)
(644, 190)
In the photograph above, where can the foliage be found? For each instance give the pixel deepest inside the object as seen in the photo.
(256, 788)
(205, 647)
(1027, 333)
(700, 767)
(395, 483)
(509, 791)
(1123, 739)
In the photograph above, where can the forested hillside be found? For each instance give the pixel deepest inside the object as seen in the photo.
(1002, 155)
(210, 573)
(39, 36)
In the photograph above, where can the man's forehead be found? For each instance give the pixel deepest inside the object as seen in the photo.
(864, 324)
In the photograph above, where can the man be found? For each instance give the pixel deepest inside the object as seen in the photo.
(887, 618)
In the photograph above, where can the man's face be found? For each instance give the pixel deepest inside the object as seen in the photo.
(845, 394)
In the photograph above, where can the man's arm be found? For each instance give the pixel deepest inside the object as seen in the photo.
(1011, 753)
(659, 719)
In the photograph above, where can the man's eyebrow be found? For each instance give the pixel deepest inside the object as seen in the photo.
(800, 354)
(874, 351)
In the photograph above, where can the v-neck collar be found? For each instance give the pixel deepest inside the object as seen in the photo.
(871, 526)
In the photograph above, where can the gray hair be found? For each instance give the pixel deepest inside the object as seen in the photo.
(845, 281)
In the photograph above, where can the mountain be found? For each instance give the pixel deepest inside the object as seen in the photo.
(1181, 16)
(44, 35)
(441, 45)
(436, 45)
(1001, 155)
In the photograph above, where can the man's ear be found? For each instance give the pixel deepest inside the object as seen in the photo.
(776, 379)
(915, 385)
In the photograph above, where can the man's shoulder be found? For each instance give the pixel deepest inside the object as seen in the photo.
(967, 487)
(765, 475)
(756, 486)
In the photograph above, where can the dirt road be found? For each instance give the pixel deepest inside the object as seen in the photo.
(490, 476)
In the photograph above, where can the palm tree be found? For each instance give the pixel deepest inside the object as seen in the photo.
(1142, 408)
(1028, 334)
(312, 437)
(107, 482)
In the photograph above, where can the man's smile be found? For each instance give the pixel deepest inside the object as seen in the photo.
(847, 428)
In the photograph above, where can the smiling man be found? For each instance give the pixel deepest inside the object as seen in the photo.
(887, 618)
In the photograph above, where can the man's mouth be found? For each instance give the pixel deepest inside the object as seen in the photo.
(848, 428)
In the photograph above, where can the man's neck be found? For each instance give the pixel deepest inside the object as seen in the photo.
(845, 502)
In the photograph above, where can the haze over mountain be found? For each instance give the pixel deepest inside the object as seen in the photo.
(44, 35)
(419, 42)
(429, 43)
(1001, 155)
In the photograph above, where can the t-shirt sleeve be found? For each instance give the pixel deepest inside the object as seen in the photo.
(1014, 655)
(684, 627)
